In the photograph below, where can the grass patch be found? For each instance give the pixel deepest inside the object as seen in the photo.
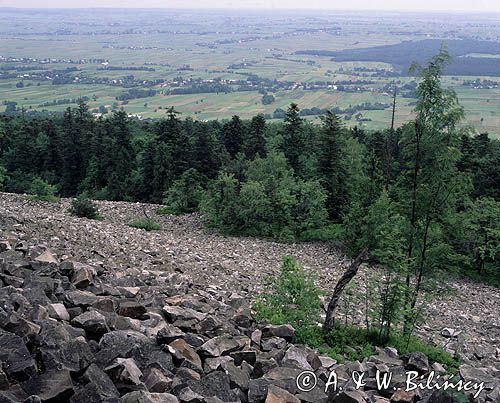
(147, 224)
(165, 211)
(46, 198)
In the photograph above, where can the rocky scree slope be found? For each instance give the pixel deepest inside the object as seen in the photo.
(97, 311)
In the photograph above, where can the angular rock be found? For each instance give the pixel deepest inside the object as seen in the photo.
(249, 356)
(215, 384)
(105, 304)
(237, 377)
(402, 396)
(263, 366)
(81, 298)
(58, 311)
(184, 352)
(278, 395)
(273, 343)
(83, 275)
(124, 370)
(119, 343)
(168, 333)
(257, 390)
(93, 322)
(296, 357)
(173, 313)
(98, 387)
(417, 361)
(285, 378)
(74, 356)
(156, 381)
(187, 395)
(129, 292)
(449, 333)
(46, 257)
(213, 364)
(5, 246)
(132, 309)
(327, 362)
(221, 345)
(284, 331)
(4, 382)
(21, 327)
(351, 396)
(147, 397)
(50, 386)
(17, 361)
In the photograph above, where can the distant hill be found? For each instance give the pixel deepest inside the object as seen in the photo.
(403, 54)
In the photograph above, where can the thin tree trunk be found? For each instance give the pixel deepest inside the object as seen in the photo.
(339, 288)
(413, 219)
(393, 111)
(422, 263)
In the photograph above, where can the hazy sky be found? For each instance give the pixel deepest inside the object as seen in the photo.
(448, 5)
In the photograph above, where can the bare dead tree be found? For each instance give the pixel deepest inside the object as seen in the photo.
(339, 288)
(393, 109)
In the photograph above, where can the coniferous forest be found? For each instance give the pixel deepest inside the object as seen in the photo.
(420, 198)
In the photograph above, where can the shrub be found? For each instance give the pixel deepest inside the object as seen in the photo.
(185, 194)
(270, 202)
(3, 176)
(146, 223)
(292, 298)
(83, 207)
(43, 191)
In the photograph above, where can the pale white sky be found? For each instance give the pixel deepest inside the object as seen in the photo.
(431, 5)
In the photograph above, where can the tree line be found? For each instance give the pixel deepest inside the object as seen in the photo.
(419, 198)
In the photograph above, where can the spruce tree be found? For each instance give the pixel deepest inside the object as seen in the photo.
(255, 143)
(293, 137)
(331, 164)
(233, 134)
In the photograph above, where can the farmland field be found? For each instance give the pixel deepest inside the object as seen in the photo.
(214, 64)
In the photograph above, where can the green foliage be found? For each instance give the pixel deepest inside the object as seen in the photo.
(3, 176)
(220, 203)
(354, 343)
(270, 202)
(331, 232)
(185, 194)
(147, 224)
(267, 99)
(293, 145)
(83, 207)
(291, 298)
(483, 224)
(43, 191)
(332, 164)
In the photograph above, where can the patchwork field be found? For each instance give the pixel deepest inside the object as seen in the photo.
(213, 65)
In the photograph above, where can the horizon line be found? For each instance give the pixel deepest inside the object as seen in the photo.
(270, 9)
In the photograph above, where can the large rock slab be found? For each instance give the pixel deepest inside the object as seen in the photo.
(17, 360)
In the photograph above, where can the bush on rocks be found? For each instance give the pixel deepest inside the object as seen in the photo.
(43, 191)
(83, 207)
(291, 298)
(147, 224)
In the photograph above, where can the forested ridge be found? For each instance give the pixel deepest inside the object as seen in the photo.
(420, 198)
